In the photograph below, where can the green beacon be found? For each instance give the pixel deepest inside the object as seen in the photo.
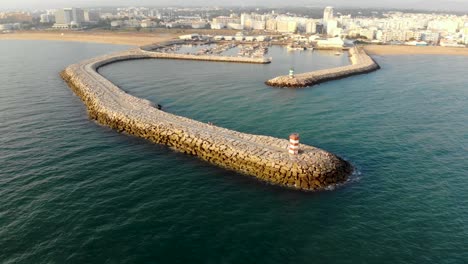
(291, 73)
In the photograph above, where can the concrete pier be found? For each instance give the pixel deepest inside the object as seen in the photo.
(360, 63)
(263, 157)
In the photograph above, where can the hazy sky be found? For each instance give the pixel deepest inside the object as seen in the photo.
(455, 5)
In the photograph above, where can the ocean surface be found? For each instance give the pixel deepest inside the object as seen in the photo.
(72, 191)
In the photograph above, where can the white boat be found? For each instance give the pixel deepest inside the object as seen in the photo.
(295, 48)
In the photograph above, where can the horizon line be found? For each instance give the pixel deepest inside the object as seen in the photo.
(246, 6)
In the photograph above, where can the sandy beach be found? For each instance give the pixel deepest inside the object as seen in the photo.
(123, 38)
(116, 37)
(414, 50)
(159, 35)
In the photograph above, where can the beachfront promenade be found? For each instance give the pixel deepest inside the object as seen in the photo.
(264, 157)
(360, 63)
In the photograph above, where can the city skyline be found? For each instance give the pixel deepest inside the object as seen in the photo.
(400, 28)
(452, 5)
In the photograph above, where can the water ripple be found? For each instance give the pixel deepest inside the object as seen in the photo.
(74, 191)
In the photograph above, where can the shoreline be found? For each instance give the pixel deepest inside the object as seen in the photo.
(117, 38)
(161, 35)
(393, 50)
(131, 38)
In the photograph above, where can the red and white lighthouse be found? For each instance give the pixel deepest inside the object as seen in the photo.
(293, 147)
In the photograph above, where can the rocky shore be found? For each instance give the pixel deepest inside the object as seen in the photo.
(360, 63)
(263, 157)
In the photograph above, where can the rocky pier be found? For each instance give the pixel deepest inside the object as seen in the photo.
(360, 63)
(264, 157)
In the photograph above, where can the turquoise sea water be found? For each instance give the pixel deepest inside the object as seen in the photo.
(73, 191)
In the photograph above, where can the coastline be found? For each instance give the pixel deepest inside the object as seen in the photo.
(161, 35)
(118, 38)
(108, 37)
(387, 50)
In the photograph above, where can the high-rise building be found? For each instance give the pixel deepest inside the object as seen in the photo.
(332, 25)
(69, 17)
(78, 15)
(226, 20)
(47, 18)
(465, 34)
(432, 37)
(258, 25)
(63, 16)
(91, 16)
(286, 26)
(327, 14)
(311, 27)
(244, 18)
(271, 25)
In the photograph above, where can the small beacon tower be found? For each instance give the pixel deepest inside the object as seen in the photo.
(293, 147)
(291, 73)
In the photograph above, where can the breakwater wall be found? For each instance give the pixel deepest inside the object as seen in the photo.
(215, 58)
(263, 157)
(360, 63)
(164, 44)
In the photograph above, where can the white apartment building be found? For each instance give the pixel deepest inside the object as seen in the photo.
(330, 43)
(286, 26)
(327, 14)
(311, 27)
(47, 18)
(69, 17)
(465, 35)
(225, 20)
(450, 26)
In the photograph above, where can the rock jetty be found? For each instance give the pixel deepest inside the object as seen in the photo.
(360, 63)
(263, 157)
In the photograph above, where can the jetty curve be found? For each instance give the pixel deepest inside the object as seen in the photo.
(360, 63)
(264, 157)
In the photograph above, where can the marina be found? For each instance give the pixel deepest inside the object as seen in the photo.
(254, 50)
(244, 49)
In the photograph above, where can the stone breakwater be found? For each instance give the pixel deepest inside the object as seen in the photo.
(360, 63)
(264, 157)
